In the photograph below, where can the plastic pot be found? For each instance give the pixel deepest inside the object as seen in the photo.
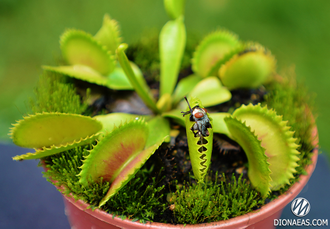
(81, 217)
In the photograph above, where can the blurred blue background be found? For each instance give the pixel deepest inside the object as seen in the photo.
(297, 32)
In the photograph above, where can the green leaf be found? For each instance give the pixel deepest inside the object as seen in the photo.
(211, 92)
(110, 156)
(48, 151)
(81, 72)
(248, 69)
(80, 48)
(219, 124)
(164, 103)
(161, 127)
(214, 71)
(116, 80)
(174, 8)
(113, 120)
(139, 84)
(109, 34)
(275, 137)
(129, 171)
(172, 42)
(175, 115)
(48, 129)
(213, 48)
(184, 87)
(258, 171)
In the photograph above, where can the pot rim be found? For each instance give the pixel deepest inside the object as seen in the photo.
(236, 222)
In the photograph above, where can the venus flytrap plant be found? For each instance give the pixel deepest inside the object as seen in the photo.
(118, 144)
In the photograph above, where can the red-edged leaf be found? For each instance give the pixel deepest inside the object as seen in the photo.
(129, 171)
(114, 152)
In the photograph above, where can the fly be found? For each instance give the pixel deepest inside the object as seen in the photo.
(199, 116)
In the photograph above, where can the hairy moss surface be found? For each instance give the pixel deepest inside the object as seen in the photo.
(209, 202)
(55, 94)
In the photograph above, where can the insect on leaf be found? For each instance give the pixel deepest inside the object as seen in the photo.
(200, 138)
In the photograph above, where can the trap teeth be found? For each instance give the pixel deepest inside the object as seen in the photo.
(275, 137)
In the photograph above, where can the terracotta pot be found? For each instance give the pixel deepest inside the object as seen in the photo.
(81, 217)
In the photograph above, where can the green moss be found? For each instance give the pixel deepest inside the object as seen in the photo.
(64, 168)
(138, 199)
(201, 203)
(54, 94)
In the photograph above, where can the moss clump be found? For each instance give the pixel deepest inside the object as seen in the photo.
(55, 94)
(137, 200)
(63, 168)
(210, 202)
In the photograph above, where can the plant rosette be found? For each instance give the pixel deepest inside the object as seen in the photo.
(118, 130)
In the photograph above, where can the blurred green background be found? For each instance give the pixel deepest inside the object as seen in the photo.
(297, 32)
